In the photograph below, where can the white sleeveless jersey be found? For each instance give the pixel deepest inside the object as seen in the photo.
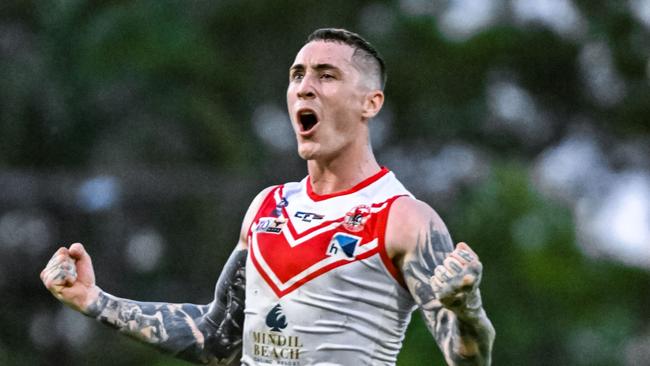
(320, 288)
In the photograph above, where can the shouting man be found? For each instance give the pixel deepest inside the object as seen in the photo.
(327, 271)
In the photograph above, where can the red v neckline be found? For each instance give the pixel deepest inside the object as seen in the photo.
(359, 186)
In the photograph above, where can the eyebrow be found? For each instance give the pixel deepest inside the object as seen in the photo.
(318, 67)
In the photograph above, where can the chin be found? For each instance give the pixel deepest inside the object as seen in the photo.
(306, 154)
(307, 151)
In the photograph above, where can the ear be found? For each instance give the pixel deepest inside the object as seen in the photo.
(372, 103)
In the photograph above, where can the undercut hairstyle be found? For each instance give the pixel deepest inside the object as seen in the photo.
(364, 53)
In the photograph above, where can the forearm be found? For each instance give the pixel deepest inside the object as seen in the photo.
(464, 340)
(201, 334)
(177, 329)
(452, 309)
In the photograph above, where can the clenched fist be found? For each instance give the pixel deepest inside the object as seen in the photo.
(70, 277)
(455, 282)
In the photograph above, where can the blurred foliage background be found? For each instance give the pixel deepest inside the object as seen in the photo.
(144, 128)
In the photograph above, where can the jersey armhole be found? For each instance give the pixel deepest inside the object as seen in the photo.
(388, 263)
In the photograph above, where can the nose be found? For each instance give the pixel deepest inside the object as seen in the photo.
(306, 89)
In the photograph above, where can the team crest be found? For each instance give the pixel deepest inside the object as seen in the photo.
(356, 218)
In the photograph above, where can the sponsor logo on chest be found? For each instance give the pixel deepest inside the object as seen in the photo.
(272, 346)
(308, 216)
(271, 225)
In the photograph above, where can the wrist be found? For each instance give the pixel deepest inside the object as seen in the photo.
(95, 302)
(472, 310)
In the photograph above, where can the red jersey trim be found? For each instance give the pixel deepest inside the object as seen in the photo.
(368, 181)
(388, 262)
(269, 203)
(298, 235)
(280, 293)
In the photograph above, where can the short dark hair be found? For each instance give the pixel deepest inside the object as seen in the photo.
(362, 48)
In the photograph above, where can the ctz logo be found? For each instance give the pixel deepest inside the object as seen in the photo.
(308, 216)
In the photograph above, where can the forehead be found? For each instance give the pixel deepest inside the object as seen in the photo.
(321, 52)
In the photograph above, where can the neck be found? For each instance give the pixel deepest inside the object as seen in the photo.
(341, 173)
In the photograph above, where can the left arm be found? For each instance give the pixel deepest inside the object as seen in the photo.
(443, 282)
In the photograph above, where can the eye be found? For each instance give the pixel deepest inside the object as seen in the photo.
(296, 76)
(327, 76)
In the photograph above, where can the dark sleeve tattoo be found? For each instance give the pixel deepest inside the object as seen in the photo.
(465, 337)
(196, 333)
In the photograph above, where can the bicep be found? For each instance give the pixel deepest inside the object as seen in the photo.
(231, 284)
(431, 245)
(223, 323)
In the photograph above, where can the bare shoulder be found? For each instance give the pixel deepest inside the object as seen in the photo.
(408, 222)
(250, 215)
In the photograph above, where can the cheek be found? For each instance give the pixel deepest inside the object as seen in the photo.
(349, 116)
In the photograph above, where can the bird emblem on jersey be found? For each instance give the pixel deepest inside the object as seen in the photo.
(356, 218)
(275, 319)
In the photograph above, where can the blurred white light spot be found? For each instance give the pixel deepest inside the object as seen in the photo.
(74, 328)
(464, 18)
(24, 230)
(417, 7)
(516, 111)
(588, 346)
(509, 101)
(377, 19)
(600, 75)
(273, 127)
(144, 250)
(640, 9)
(619, 222)
(573, 169)
(530, 231)
(99, 193)
(441, 174)
(637, 350)
(561, 16)
(40, 330)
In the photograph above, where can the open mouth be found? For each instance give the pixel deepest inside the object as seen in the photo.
(307, 119)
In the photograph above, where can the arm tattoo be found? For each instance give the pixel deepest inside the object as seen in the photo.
(465, 340)
(197, 333)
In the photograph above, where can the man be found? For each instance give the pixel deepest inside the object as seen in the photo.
(327, 270)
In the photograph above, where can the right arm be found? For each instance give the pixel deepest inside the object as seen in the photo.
(198, 333)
